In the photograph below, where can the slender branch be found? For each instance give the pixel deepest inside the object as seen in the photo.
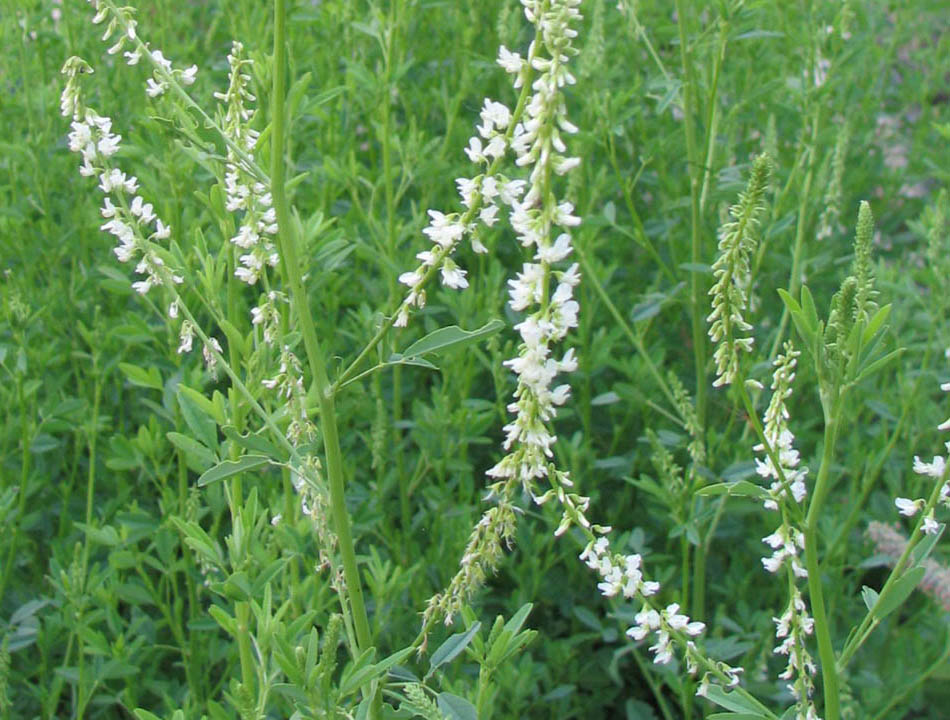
(291, 266)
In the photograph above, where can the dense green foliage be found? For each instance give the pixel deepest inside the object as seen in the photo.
(111, 554)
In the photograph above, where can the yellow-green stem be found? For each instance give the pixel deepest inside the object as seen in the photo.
(829, 670)
(290, 263)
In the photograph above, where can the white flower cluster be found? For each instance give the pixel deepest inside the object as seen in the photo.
(792, 629)
(288, 382)
(936, 469)
(537, 143)
(132, 221)
(623, 575)
(663, 623)
(120, 20)
(787, 542)
(244, 192)
(480, 196)
(779, 437)
(210, 352)
(266, 315)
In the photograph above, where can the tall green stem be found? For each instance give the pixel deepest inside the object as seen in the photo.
(829, 670)
(697, 292)
(290, 263)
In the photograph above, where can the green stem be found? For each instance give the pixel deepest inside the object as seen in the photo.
(829, 669)
(291, 266)
(697, 291)
(712, 114)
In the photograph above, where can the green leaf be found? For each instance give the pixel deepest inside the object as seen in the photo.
(402, 674)
(899, 592)
(232, 467)
(103, 536)
(878, 364)
(450, 337)
(141, 714)
(740, 488)
(735, 702)
(358, 673)
(386, 664)
(701, 268)
(199, 414)
(452, 648)
(234, 336)
(751, 34)
(588, 618)
(198, 540)
(870, 596)
(798, 318)
(256, 443)
(875, 324)
(397, 359)
(150, 378)
(195, 451)
(456, 708)
(518, 619)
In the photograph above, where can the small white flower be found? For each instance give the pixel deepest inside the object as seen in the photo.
(512, 62)
(489, 215)
(453, 276)
(474, 150)
(154, 89)
(934, 469)
(930, 526)
(410, 278)
(908, 507)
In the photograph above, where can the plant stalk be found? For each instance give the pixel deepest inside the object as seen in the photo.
(829, 669)
(290, 263)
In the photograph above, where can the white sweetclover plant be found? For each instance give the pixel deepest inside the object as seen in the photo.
(139, 230)
(541, 222)
(533, 134)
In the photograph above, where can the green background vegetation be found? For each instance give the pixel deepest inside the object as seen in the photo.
(104, 608)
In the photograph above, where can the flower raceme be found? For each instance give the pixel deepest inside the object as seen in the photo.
(541, 291)
(129, 218)
(244, 192)
(729, 293)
